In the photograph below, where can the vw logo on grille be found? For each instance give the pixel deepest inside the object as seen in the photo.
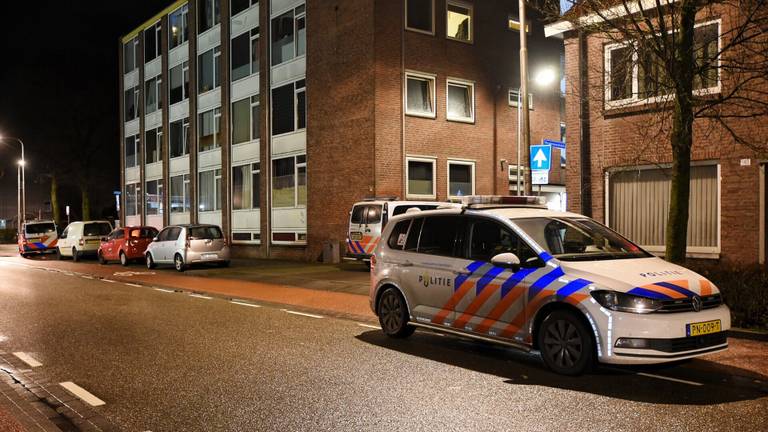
(696, 303)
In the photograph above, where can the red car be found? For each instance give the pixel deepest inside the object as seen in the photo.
(126, 244)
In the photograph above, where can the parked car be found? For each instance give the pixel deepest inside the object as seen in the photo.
(82, 238)
(185, 245)
(37, 237)
(126, 244)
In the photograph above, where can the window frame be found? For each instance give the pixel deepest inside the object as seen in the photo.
(134, 196)
(296, 165)
(159, 189)
(296, 91)
(470, 85)
(215, 15)
(216, 178)
(133, 46)
(183, 12)
(427, 159)
(158, 144)
(470, 8)
(252, 34)
(216, 129)
(136, 144)
(186, 204)
(513, 101)
(154, 85)
(184, 82)
(301, 15)
(418, 30)
(253, 168)
(216, 71)
(251, 3)
(464, 162)
(157, 37)
(429, 78)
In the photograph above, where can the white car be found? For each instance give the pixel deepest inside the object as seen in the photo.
(507, 270)
(185, 245)
(82, 238)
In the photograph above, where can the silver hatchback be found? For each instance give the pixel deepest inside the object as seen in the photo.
(185, 245)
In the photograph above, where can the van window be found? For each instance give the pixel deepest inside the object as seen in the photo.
(373, 214)
(39, 228)
(399, 235)
(442, 235)
(96, 229)
(403, 208)
(488, 239)
(205, 232)
(358, 214)
(413, 235)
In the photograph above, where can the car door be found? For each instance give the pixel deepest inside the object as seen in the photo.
(63, 243)
(372, 227)
(170, 245)
(114, 243)
(159, 246)
(356, 227)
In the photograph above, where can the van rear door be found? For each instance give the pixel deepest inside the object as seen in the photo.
(356, 229)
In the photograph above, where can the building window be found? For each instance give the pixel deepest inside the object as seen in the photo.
(421, 178)
(245, 186)
(289, 110)
(420, 95)
(178, 138)
(419, 15)
(152, 99)
(179, 90)
(514, 98)
(562, 140)
(153, 143)
(132, 192)
(178, 21)
(458, 18)
(209, 130)
(245, 54)
(460, 101)
(207, 14)
(289, 182)
(209, 70)
(152, 43)
(245, 120)
(238, 6)
(129, 55)
(154, 197)
(649, 189)
(209, 196)
(131, 99)
(132, 151)
(289, 35)
(180, 192)
(461, 178)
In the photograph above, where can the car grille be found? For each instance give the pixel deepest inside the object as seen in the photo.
(687, 343)
(686, 305)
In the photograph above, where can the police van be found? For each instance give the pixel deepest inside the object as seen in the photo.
(510, 271)
(367, 219)
(39, 236)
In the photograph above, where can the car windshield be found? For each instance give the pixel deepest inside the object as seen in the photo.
(96, 229)
(578, 239)
(143, 233)
(205, 232)
(40, 228)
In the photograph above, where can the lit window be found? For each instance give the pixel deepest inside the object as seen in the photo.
(289, 182)
(461, 178)
(421, 178)
(289, 36)
(154, 197)
(459, 21)
(245, 186)
(209, 196)
(132, 192)
(209, 130)
(420, 95)
(180, 188)
(207, 14)
(178, 21)
(461, 101)
(419, 15)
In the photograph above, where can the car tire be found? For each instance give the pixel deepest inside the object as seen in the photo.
(102, 260)
(123, 259)
(150, 262)
(75, 255)
(566, 345)
(178, 263)
(24, 255)
(59, 256)
(393, 314)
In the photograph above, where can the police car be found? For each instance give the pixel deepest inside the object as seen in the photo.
(510, 271)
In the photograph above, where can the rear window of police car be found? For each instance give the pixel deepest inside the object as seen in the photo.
(39, 228)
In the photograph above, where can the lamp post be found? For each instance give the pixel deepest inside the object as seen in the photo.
(544, 77)
(22, 196)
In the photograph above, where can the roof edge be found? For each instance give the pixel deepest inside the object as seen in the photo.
(177, 4)
(557, 29)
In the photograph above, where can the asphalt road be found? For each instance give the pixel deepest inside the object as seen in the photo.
(168, 361)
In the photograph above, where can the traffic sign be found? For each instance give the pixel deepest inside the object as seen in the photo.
(539, 177)
(555, 144)
(541, 155)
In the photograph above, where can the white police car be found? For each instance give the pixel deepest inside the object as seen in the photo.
(507, 270)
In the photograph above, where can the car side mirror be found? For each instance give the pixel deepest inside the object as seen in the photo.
(506, 260)
(154, 239)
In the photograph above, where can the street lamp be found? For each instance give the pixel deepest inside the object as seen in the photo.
(22, 196)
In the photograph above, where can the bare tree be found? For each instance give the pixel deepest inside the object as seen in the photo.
(713, 77)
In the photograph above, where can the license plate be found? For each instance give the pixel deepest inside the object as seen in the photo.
(210, 256)
(702, 328)
(93, 241)
(356, 236)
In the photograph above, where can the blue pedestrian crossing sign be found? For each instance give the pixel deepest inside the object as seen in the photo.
(541, 156)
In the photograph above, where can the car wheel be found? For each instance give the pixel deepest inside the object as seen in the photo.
(58, 254)
(393, 314)
(123, 259)
(102, 261)
(75, 256)
(178, 263)
(24, 255)
(150, 261)
(565, 342)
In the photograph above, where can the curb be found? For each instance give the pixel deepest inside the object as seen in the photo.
(740, 333)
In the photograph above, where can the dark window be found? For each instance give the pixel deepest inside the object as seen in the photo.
(283, 109)
(131, 104)
(151, 45)
(129, 55)
(207, 14)
(173, 233)
(440, 236)
(358, 214)
(621, 73)
(241, 56)
(178, 138)
(399, 234)
(96, 229)
(419, 14)
(256, 185)
(208, 70)
(488, 239)
(413, 235)
(39, 228)
(459, 179)
(373, 214)
(301, 105)
(241, 5)
(179, 88)
(282, 38)
(241, 236)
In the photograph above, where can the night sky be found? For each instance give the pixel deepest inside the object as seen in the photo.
(59, 93)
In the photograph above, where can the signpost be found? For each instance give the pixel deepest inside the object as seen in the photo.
(541, 158)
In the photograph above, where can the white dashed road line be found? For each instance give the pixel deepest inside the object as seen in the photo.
(164, 290)
(108, 280)
(26, 358)
(677, 380)
(86, 277)
(82, 394)
(133, 284)
(301, 313)
(200, 296)
(242, 303)
(369, 326)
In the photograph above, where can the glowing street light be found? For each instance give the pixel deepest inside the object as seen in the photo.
(545, 77)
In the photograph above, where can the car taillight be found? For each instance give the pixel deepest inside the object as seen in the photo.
(82, 242)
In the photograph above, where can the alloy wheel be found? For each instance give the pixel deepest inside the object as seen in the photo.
(563, 344)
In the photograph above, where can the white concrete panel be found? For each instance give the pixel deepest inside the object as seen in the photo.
(132, 174)
(178, 55)
(132, 220)
(212, 217)
(155, 221)
(245, 87)
(280, 6)
(293, 143)
(131, 79)
(290, 71)
(153, 68)
(246, 152)
(209, 100)
(179, 218)
(179, 165)
(153, 119)
(245, 20)
(153, 171)
(132, 127)
(178, 111)
(209, 159)
(246, 219)
(209, 39)
(289, 219)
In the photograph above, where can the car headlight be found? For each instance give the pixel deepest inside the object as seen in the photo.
(626, 302)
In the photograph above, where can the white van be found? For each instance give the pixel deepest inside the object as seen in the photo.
(82, 238)
(368, 218)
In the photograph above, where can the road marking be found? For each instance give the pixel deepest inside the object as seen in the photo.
(108, 280)
(200, 296)
(86, 277)
(369, 326)
(133, 284)
(82, 394)
(164, 290)
(302, 313)
(242, 303)
(670, 379)
(26, 358)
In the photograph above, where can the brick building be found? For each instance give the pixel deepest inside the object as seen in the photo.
(620, 156)
(271, 118)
